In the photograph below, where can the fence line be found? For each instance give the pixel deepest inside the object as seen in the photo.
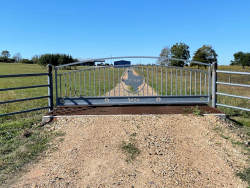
(49, 96)
(215, 93)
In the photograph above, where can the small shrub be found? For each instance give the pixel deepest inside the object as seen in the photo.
(245, 175)
(131, 150)
(197, 111)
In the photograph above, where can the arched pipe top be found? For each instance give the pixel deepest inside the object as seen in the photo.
(132, 57)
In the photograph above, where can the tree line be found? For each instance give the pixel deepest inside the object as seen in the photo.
(45, 59)
(204, 54)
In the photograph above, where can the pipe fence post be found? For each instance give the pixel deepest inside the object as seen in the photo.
(214, 86)
(56, 86)
(50, 88)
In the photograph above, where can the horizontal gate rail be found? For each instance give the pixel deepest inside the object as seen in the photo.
(215, 93)
(235, 96)
(234, 107)
(233, 84)
(23, 75)
(25, 111)
(25, 87)
(233, 72)
(49, 96)
(142, 100)
(25, 99)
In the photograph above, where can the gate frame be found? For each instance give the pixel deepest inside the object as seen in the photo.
(133, 98)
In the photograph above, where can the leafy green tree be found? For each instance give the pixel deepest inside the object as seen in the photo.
(5, 55)
(165, 53)
(55, 59)
(242, 59)
(205, 54)
(180, 51)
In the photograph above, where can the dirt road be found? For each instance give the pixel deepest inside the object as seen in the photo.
(175, 151)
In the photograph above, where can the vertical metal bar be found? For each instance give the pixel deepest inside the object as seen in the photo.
(152, 79)
(99, 77)
(181, 82)
(65, 84)
(60, 86)
(200, 83)
(119, 80)
(70, 89)
(195, 83)
(75, 86)
(113, 80)
(156, 80)
(94, 83)
(214, 89)
(205, 84)
(176, 82)
(144, 77)
(171, 81)
(138, 91)
(209, 84)
(84, 76)
(190, 92)
(161, 82)
(50, 72)
(89, 93)
(109, 80)
(185, 82)
(166, 81)
(50, 88)
(104, 82)
(147, 81)
(80, 82)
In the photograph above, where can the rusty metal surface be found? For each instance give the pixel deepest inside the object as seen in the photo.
(116, 110)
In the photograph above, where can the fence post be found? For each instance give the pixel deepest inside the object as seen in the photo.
(50, 88)
(214, 86)
(56, 85)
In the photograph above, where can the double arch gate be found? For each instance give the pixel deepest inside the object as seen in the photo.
(141, 80)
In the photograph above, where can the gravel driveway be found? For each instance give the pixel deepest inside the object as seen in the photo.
(175, 151)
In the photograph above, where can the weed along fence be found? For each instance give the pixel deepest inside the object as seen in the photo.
(49, 85)
(131, 80)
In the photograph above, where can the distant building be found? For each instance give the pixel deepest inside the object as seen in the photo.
(92, 63)
(122, 63)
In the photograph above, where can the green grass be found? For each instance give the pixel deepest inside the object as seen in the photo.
(245, 175)
(75, 88)
(14, 68)
(88, 82)
(167, 81)
(21, 142)
(130, 148)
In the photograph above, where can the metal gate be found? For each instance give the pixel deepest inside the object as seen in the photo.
(141, 80)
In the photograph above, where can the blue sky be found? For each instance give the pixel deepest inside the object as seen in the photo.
(91, 28)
